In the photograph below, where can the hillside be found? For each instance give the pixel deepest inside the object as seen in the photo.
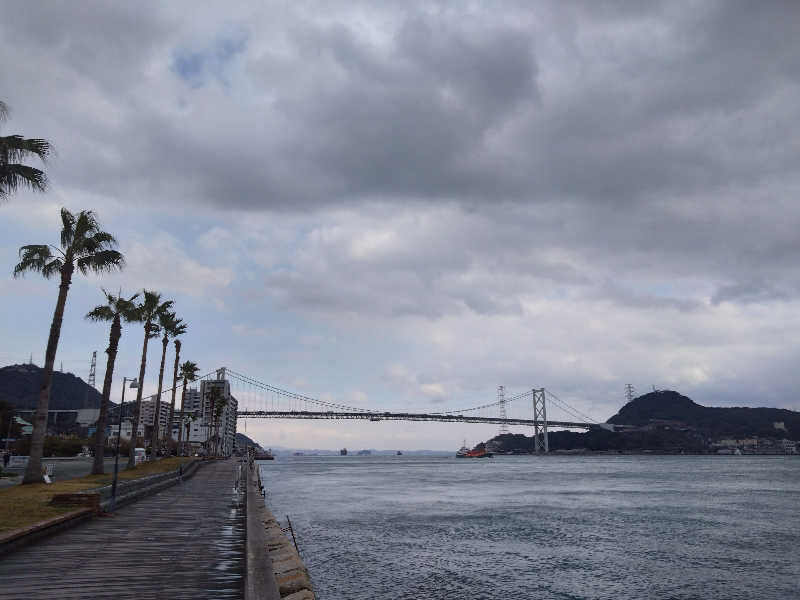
(666, 421)
(666, 406)
(243, 441)
(19, 386)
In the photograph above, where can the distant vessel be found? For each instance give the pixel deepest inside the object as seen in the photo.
(262, 454)
(465, 452)
(364, 452)
(343, 451)
(399, 453)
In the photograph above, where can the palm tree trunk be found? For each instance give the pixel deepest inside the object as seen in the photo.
(138, 407)
(154, 435)
(180, 428)
(174, 389)
(100, 434)
(33, 473)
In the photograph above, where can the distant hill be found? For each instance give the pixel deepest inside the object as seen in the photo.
(19, 386)
(663, 407)
(242, 440)
(667, 421)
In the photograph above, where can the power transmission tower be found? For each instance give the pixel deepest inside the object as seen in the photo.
(501, 401)
(541, 443)
(630, 392)
(92, 369)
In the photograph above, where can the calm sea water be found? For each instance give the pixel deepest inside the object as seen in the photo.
(547, 528)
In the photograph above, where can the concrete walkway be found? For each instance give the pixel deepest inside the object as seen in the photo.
(185, 542)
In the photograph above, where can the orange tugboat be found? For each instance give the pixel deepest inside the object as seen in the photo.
(465, 452)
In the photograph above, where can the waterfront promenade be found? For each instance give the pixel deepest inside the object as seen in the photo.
(185, 542)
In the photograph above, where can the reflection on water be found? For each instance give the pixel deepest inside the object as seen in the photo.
(551, 528)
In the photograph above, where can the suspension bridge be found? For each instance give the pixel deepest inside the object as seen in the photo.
(259, 400)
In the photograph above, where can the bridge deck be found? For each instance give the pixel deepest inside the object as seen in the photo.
(393, 416)
(185, 542)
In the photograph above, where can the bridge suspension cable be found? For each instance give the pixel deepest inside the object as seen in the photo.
(570, 409)
(299, 402)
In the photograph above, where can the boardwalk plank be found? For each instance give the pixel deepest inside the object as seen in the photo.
(185, 542)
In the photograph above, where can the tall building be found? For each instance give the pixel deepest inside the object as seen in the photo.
(146, 417)
(202, 424)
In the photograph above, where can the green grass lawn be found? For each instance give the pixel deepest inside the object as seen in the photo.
(24, 505)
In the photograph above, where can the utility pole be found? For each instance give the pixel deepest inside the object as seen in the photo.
(501, 401)
(92, 369)
(630, 392)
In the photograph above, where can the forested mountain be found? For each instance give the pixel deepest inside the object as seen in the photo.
(19, 386)
(664, 407)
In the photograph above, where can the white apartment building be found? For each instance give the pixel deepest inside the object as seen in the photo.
(145, 420)
(199, 425)
(146, 416)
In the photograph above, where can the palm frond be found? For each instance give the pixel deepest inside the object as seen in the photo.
(53, 267)
(67, 228)
(178, 328)
(101, 313)
(94, 243)
(127, 308)
(86, 225)
(37, 258)
(166, 319)
(15, 148)
(14, 176)
(103, 261)
(189, 370)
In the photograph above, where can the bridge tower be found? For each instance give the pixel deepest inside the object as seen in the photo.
(541, 443)
(501, 403)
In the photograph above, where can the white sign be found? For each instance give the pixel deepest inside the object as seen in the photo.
(18, 462)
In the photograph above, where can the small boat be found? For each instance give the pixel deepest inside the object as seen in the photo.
(262, 454)
(463, 451)
(399, 453)
(343, 452)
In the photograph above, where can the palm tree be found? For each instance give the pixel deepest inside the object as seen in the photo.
(218, 403)
(177, 342)
(189, 371)
(212, 395)
(169, 323)
(14, 148)
(115, 310)
(149, 309)
(89, 249)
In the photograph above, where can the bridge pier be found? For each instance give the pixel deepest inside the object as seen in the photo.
(541, 444)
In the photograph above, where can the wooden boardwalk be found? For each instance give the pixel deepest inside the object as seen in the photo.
(184, 542)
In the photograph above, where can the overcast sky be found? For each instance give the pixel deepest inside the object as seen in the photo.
(403, 205)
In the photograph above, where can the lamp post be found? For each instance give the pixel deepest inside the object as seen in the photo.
(134, 384)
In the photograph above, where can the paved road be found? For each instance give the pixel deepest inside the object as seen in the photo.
(184, 542)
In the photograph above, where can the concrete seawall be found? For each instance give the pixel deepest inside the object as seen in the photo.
(274, 568)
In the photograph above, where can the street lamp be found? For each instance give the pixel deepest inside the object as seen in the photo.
(133, 384)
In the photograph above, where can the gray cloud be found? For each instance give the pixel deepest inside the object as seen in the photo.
(583, 173)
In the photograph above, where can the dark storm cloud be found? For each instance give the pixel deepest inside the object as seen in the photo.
(589, 103)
